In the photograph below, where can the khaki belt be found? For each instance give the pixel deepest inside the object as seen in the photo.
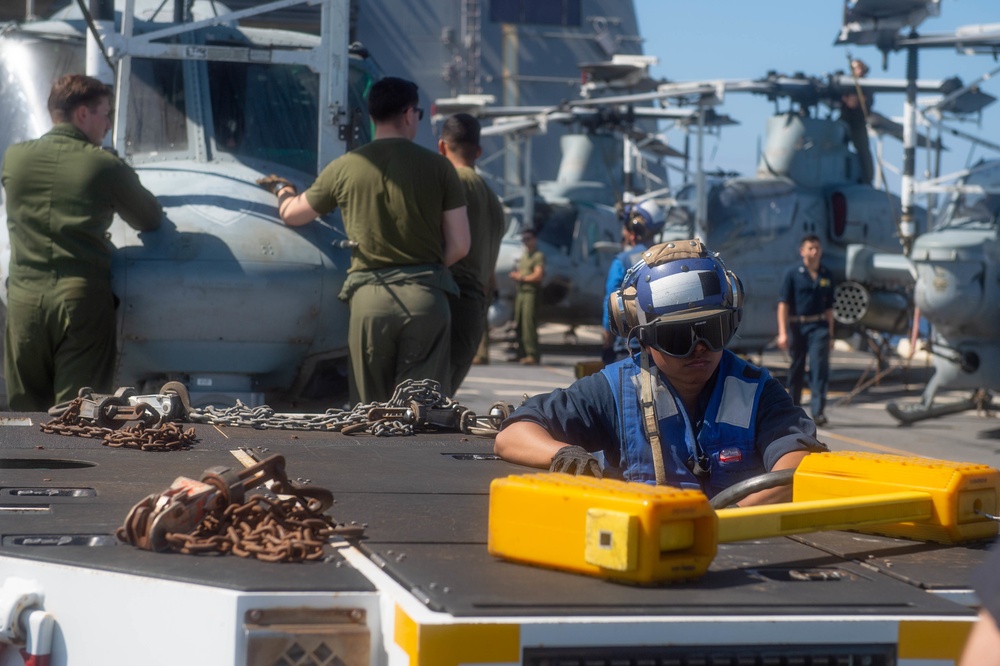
(806, 319)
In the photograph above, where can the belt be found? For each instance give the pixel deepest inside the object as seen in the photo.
(806, 319)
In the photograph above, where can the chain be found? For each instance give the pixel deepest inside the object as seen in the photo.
(265, 528)
(165, 436)
(414, 404)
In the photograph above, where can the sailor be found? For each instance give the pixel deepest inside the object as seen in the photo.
(641, 223)
(855, 108)
(404, 206)
(805, 325)
(62, 193)
(528, 277)
(683, 411)
(474, 273)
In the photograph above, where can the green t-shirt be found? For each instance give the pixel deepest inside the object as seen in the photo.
(392, 194)
(62, 193)
(525, 266)
(486, 225)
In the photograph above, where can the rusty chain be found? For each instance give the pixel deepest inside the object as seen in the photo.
(283, 523)
(165, 436)
(266, 528)
(416, 405)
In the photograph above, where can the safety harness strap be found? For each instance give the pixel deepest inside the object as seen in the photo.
(650, 422)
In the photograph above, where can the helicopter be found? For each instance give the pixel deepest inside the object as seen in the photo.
(955, 263)
(577, 216)
(807, 181)
(223, 297)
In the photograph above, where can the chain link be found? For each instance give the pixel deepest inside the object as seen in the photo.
(165, 436)
(401, 415)
(266, 528)
(416, 405)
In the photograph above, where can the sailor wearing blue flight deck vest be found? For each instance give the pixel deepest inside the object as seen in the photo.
(683, 411)
(641, 223)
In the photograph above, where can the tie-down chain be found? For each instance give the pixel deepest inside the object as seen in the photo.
(126, 419)
(254, 512)
(149, 422)
(415, 406)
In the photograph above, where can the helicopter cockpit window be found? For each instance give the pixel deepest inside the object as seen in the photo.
(593, 231)
(974, 210)
(157, 121)
(266, 112)
(559, 227)
(31, 64)
(736, 213)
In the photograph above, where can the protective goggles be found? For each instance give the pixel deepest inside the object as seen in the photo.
(679, 339)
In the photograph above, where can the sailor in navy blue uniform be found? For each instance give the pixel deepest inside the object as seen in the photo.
(683, 411)
(805, 325)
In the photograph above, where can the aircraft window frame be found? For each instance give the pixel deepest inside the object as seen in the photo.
(287, 134)
(359, 83)
(737, 213)
(592, 231)
(172, 136)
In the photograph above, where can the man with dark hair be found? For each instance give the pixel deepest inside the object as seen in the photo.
(805, 325)
(405, 208)
(62, 193)
(474, 273)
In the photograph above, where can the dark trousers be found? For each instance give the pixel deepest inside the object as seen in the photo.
(468, 325)
(810, 341)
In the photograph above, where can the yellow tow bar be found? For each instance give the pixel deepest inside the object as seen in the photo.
(646, 534)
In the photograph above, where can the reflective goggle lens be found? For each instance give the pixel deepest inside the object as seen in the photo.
(680, 339)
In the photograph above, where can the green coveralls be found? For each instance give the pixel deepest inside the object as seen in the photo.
(62, 192)
(393, 195)
(473, 272)
(526, 306)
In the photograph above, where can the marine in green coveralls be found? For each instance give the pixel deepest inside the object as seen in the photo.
(528, 276)
(474, 273)
(405, 208)
(62, 192)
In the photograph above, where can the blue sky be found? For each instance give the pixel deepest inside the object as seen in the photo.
(727, 39)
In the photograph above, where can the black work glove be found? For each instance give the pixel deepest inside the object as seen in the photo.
(274, 183)
(576, 460)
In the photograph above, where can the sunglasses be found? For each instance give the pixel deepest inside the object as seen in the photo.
(680, 339)
(420, 112)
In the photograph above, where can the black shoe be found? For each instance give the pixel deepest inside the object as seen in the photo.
(820, 420)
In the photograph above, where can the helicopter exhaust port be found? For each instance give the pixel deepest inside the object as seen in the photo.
(855, 305)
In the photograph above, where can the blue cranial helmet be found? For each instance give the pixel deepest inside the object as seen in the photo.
(679, 282)
(645, 219)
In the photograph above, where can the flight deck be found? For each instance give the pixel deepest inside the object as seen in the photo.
(423, 502)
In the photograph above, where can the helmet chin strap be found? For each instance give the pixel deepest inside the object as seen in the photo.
(649, 420)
